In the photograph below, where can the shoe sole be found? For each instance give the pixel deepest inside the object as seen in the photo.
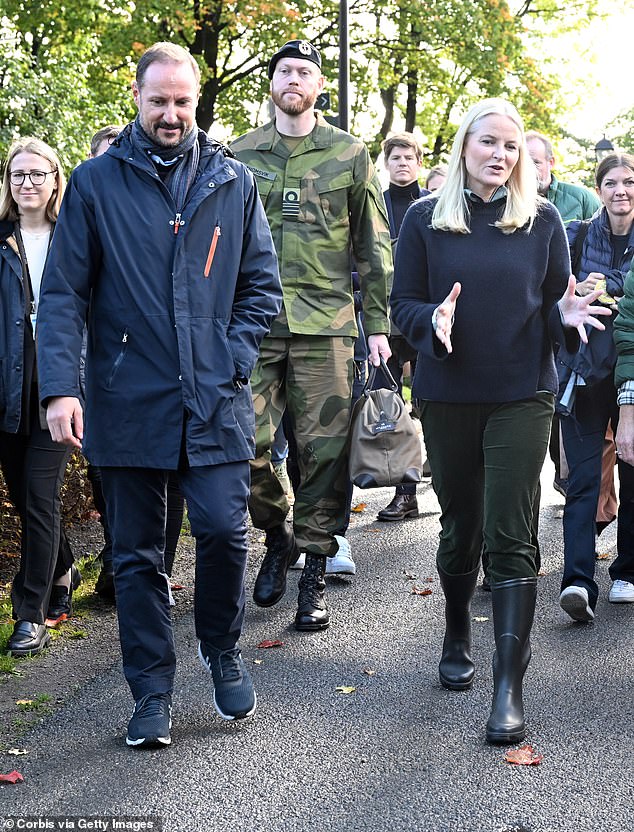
(505, 738)
(343, 570)
(576, 607)
(448, 685)
(53, 622)
(620, 600)
(311, 628)
(151, 742)
(411, 515)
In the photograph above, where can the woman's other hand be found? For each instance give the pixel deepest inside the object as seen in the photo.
(576, 311)
(444, 315)
(584, 287)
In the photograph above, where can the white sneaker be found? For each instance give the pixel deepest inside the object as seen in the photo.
(574, 601)
(300, 562)
(341, 563)
(621, 592)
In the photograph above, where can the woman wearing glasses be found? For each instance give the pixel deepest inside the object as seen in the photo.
(33, 465)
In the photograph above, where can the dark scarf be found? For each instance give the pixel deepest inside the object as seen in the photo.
(177, 165)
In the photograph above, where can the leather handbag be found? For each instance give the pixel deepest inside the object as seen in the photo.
(383, 445)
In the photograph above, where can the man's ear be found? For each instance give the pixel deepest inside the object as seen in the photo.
(135, 92)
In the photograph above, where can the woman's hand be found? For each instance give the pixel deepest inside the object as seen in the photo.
(584, 287)
(576, 311)
(444, 315)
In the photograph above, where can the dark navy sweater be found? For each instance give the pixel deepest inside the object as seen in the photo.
(502, 350)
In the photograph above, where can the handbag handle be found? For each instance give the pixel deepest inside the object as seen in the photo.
(369, 384)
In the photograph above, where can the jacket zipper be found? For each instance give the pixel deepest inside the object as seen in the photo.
(212, 250)
(119, 358)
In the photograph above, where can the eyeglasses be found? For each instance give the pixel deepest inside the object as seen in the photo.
(36, 177)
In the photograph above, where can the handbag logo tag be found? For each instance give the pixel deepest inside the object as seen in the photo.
(383, 425)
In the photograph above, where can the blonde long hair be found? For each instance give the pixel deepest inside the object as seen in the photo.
(452, 210)
(28, 144)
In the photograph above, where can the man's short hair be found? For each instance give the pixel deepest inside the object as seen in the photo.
(106, 133)
(407, 140)
(164, 52)
(548, 147)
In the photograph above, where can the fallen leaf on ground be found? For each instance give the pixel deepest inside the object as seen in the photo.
(359, 508)
(480, 618)
(271, 643)
(369, 671)
(257, 661)
(524, 756)
(419, 590)
(407, 576)
(11, 777)
(17, 751)
(177, 587)
(23, 701)
(345, 689)
(603, 556)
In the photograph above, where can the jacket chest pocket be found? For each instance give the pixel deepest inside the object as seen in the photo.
(265, 186)
(326, 198)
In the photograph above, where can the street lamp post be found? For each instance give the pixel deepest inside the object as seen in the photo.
(602, 148)
(344, 64)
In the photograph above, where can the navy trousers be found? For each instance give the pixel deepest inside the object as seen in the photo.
(595, 408)
(136, 504)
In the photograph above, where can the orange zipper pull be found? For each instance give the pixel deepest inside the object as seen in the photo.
(177, 223)
(212, 250)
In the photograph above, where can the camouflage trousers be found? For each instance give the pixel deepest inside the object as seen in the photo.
(309, 376)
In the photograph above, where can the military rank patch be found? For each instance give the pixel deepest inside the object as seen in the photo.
(290, 204)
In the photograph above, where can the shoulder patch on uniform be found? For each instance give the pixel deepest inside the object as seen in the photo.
(263, 174)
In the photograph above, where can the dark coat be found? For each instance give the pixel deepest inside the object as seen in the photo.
(174, 325)
(595, 360)
(596, 254)
(13, 323)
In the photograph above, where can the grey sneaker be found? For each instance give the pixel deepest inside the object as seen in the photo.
(341, 563)
(151, 721)
(621, 592)
(234, 696)
(574, 601)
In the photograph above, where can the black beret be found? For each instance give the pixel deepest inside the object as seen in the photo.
(296, 49)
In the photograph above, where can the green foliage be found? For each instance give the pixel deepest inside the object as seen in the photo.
(67, 68)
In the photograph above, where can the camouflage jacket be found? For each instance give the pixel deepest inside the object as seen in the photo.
(324, 203)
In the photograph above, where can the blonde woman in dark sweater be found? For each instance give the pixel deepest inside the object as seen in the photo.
(482, 284)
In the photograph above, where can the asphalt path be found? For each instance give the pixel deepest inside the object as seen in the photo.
(397, 753)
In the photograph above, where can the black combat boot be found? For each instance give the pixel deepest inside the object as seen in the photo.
(513, 611)
(281, 552)
(312, 610)
(456, 668)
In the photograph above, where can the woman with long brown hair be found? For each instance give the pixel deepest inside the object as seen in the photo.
(32, 464)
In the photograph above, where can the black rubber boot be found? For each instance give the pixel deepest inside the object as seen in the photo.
(312, 610)
(456, 668)
(281, 552)
(513, 612)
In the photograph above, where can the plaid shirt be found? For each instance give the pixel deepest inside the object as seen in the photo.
(626, 393)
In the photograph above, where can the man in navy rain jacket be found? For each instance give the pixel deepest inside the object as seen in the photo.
(162, 247)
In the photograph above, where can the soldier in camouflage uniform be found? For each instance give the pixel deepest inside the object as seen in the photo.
(323, 201)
